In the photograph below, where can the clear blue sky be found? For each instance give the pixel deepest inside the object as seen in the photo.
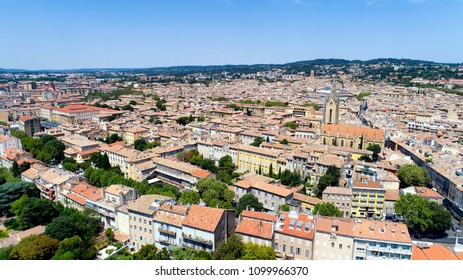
(63, 34)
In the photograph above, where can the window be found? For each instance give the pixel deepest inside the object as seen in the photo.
(291, 250)
(332, 244)
(371, 243)
(307, 254)
(340, 246)
(284, 248)
(292, 239)
(298, 251)
(276, 246)
(144, 221)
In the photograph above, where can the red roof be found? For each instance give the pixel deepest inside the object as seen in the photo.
(25, 118)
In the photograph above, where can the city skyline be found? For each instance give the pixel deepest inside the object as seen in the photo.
(141, 34)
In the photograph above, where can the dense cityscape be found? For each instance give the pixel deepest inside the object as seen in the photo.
(325, 159)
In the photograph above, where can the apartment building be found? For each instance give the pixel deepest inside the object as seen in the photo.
(307, 202)
(7, 142)
(30, 125)
(180, 174)
(294, 235)
(167, 224)
(204, 228)
(377, 240)
(133, 134)
(77, 114)
(339, 197)
(113, 197)
(49, 181)
(141, 213)
(75, 194)
(368, 199)
(334, 239)
(252, 159)
(256, 227)
(79, 148)
(271, 196)
(361, 239)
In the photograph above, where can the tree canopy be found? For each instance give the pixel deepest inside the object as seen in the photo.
(330, 178)
(413, 175)
(248, 201)
(232, 249)
(416, 211)
(150, 252)
(215, 193)
(327, 209)
(35, 248)
(12, 191)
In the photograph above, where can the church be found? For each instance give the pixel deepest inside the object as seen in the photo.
(334, 134)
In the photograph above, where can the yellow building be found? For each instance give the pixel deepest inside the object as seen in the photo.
(253, 159)
(367, 199)
(133, 134)
(351, 136)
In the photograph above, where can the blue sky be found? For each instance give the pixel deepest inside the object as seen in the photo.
(63, 34)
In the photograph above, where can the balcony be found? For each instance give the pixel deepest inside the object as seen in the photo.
(197, 239)
(168, 241)
(167, 232)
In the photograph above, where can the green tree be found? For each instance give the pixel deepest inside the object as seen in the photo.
(441, 219)
(35, 248)
(330, 178)
(12, 191)
(248, 201)
(47, 154)
(209, 164)
(72, 222)
(58, 146)
(284, 141)
(5, 253)
(413, 175)
(70, 249)
(34, 212)
(215, 193)
(289, 178)
(292, 125)
(270, 170)
(376, 149)
(258, 252)
(109, 234)
(327, 209)
(127, 108)
(232, 249)
(257, 141)
(70, 164)
(15, 169)
(284, 207)
(150, 252)
(190, 197)
(416, 211)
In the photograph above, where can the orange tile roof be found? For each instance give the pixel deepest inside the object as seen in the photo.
(259, 215)
(304, 218)
(76, 198)
(370, 133)
(203, 217)
(379, 230)
(25, 118)
(200, 173)
(427, 192)
(256, 228)
(260, 185)
(368, 185)
(435, 252)
(392, 195)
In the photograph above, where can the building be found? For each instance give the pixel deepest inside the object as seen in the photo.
(331, 108)
(256, 227)
(30, 125)
(334, 239)
(79, 148)
(367, 199)
(339, 197)
(50, 181)
(429, 194)
(113, 197)
(78, 114)
(377, 240)
(351, 136)
(180, 174)
(271, 196)
(141, 213)
(307, 202)
(75, 194)
(294, 235)
(133, 134)
(7, 142)
(167, 224)
(204, 228)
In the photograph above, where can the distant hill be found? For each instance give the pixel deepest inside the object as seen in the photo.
(239, 68)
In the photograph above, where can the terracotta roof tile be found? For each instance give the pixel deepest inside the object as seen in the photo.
(203, 217)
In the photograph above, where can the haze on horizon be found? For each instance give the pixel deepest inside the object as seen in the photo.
(54, 34)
